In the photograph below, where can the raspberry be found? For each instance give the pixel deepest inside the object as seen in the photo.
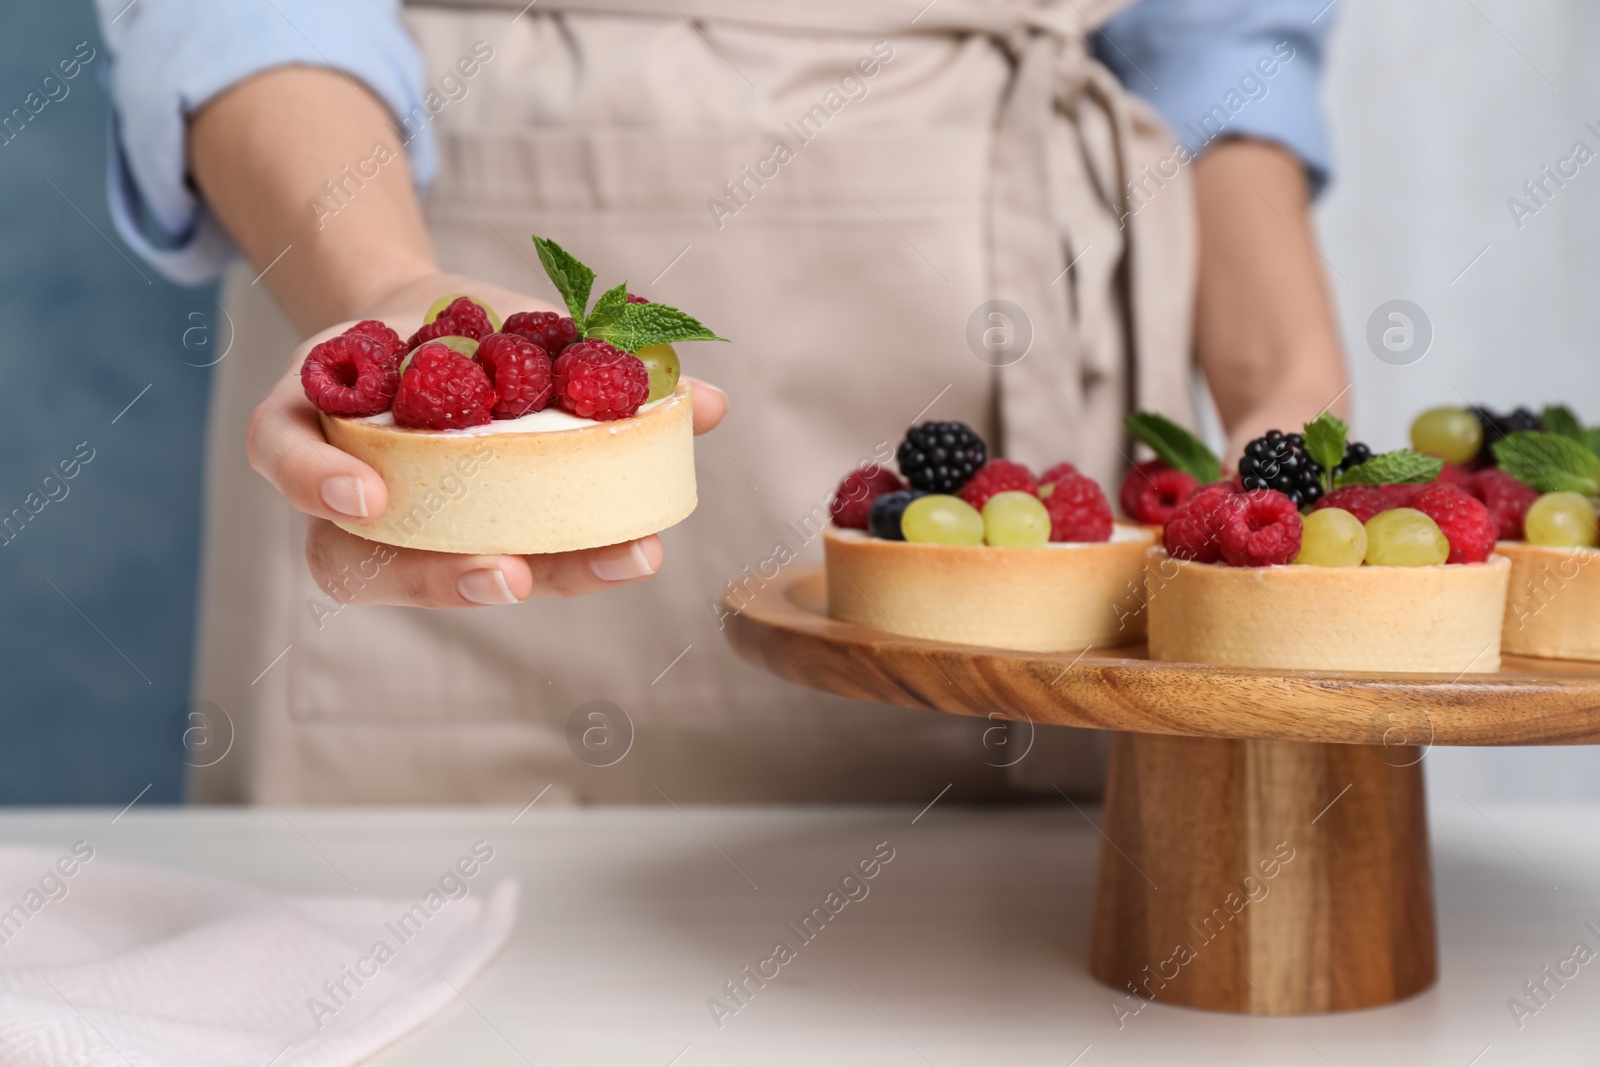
(1151, 491)
(1507, 499)
(350, 375)
(637, 299)
(1078, 509)
(1362, 501)
(1059, 471)
(520, 372)
(941, 457)
(443, 390)
(1191, 529)
(547, 329)
(596, 381)
(997, 476)
(852, 501)
(387, 339)
(463, 318)
(1401, 495)
(1455, 475)
(1262, 528)
(1466, 523)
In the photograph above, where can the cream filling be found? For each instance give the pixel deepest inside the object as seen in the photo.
(550, 420)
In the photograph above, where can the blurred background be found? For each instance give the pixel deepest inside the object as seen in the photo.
(1440, 110)
(97, 590)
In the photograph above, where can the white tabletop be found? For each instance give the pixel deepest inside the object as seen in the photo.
(970, 946)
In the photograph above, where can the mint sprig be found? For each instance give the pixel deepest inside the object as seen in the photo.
(1591, 437)
(641, 325)
(571, 278)
(1175, 446)
(1325, 438)
(607, 309)
(1559, 419)
(629, 327)
(1400, 467)
(1549, 462)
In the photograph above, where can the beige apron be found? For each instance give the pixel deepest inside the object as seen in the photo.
(981, 158)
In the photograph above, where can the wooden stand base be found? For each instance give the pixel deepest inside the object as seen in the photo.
(1264, 876)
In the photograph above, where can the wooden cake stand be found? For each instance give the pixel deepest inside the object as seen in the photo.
(1265, 831)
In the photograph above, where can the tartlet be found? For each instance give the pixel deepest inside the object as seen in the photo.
(961, 547)
(1439, 619)
(1321, 555)
(1553, 609)
(497, 489)
(542, 433)
(1061, 597)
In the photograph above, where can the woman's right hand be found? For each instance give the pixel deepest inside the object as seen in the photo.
(287, 447)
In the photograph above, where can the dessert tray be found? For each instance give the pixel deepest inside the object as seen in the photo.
(1266, 839)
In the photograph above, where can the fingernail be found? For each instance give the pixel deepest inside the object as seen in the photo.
(708, 387)
(620, 563)
(347, 496)
(485, 587)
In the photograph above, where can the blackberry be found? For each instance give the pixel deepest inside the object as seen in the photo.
(941, 457)
(1355, 454)
(1495, 427)
(883, 519)
(1279, 461)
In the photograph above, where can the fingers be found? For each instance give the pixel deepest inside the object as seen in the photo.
(286, 447)
(353, 570)
(710, 404)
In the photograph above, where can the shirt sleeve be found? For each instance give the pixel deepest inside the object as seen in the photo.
(169, 57)
(1228, 68)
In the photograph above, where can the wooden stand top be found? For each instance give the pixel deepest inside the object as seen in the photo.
(785, 629)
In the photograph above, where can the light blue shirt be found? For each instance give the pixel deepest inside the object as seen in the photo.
(1228, 68)
(1202, 63)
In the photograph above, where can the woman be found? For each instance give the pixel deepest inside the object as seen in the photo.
(840, 188)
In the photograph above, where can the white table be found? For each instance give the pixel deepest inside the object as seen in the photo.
(970, 947)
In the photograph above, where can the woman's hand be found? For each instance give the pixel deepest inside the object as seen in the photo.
(287, 447)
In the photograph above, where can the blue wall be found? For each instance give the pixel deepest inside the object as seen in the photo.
(97, 590)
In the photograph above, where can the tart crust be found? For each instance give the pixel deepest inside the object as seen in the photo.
(1553, 608)
(528, 493)
(1443, 619)
(1051, 599)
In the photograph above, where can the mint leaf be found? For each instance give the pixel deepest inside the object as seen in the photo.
(1558, 418)
(1400, 467)
(1591, 437)
(607, 309)
(641, 325)
(1325, 437)
(1549, 462)
(572, 279)
(1176, 447)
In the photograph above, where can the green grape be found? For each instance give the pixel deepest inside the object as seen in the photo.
(942, 520)
(1452, 434)
(465, 345)
(1405, 537)
(1015, 519)
(1562, 520)
(436, 309)
(1332, 538)
(662, 362)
